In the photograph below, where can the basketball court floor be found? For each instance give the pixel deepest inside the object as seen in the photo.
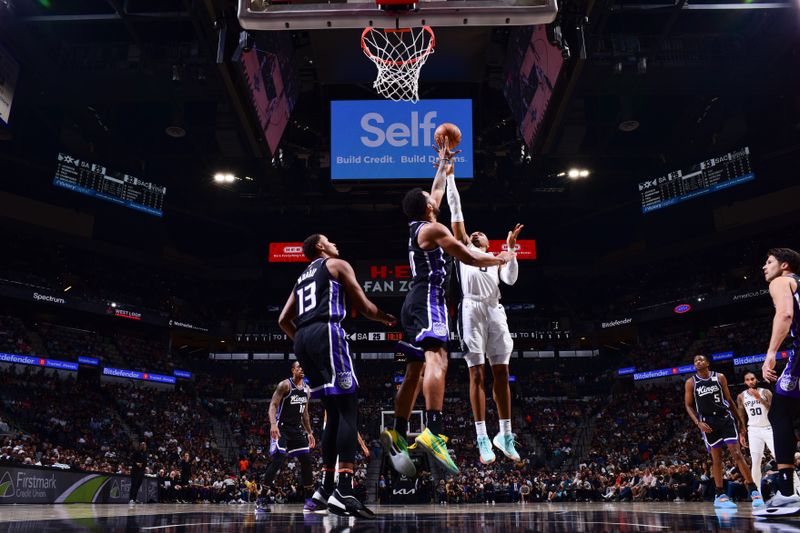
(587, 517)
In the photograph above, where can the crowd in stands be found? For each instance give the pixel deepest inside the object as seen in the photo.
(145, 352)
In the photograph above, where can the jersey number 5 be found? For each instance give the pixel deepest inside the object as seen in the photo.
(306, 298)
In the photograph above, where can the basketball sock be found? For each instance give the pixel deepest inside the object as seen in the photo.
(401, 426)
(786, 481)
(505, 426)
(720, 492)
(328, 479)
(345, 485)
(434, 421)
(480, 428)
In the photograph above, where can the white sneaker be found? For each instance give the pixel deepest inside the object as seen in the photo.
(780, 505)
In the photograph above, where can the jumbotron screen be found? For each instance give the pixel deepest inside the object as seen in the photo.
(708, 176)
(96, 180)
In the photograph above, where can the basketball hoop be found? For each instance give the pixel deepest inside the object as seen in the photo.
(399, 55)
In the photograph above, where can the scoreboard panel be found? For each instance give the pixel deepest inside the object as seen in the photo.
(96, 180)
(709, 176)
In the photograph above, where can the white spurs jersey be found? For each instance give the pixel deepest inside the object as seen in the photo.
(756, 410)
(480, 283)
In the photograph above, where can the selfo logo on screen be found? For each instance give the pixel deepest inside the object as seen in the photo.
(373, 139)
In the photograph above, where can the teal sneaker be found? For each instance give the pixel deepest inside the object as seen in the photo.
(485, 447)
(723, 502)
(505, 443)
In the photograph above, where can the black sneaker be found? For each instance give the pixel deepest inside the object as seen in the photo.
(347, 506)
(320, 497)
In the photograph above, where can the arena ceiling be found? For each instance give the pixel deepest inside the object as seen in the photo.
(107, 76)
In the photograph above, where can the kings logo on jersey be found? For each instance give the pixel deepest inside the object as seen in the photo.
(344, 379)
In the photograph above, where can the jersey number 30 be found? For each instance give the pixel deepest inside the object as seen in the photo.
(306, 298)
(755, 411)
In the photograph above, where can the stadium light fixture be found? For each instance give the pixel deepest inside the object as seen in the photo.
(113, 304)
(68, 287)
(573, 173)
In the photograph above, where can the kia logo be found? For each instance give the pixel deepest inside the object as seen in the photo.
(293, 249)
(683, 308)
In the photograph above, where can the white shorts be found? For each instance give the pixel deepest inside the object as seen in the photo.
(484, 333)
(760, 437)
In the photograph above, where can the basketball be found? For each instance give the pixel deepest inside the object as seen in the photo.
(450, 131)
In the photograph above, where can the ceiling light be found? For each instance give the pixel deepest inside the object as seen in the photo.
(219, 177)
(573, 173)
(68, 288)
(583, 173)
(229, 178)
(113, 304)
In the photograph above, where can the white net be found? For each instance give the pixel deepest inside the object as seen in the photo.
(399, 56)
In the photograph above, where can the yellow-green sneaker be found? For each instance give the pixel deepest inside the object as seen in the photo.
(397, 449)
(436, 447)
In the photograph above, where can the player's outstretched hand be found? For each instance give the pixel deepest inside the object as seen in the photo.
(443, 150)
(511, 240)
(705, 428)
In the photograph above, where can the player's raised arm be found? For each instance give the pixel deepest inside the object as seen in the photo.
(454, 201)
(343, 272)
(510, 272)
(438, 234)
(440, 180)
(288, 314)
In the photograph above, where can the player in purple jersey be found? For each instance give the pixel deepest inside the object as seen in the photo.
(312, 318)
(780, 271)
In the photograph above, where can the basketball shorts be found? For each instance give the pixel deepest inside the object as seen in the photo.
(323, 352)
(484, 333)
(723, 431)
(293, 441)
(424, 317)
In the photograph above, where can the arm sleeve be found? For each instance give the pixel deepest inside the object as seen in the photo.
(454, 200)
(510, 272)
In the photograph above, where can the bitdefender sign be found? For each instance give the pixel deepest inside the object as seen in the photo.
(381, 139)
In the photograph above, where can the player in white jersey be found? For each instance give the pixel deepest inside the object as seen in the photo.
(484, 329)
(753, 404)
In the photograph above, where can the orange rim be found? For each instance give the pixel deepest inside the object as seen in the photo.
(413, 60)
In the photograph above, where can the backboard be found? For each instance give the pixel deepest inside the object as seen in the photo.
(318, 15)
